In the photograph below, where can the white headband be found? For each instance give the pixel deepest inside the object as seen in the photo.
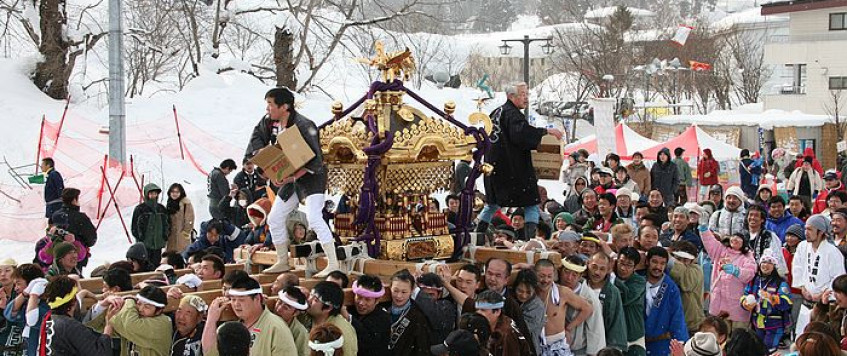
(240, 293)
(293, 303)
(148, 301)
(327, 348)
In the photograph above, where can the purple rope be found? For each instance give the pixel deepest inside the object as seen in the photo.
(466, 199)
(370, 190)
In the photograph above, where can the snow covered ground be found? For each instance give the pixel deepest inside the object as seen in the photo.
(221, 109)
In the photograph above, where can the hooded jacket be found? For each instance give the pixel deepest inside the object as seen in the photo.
(641, 176)
(150, 221)
(665, 177)
(816, 165)
(815, 181)
(726, 288)
(710, 165)
(258, 213)
(571, 203)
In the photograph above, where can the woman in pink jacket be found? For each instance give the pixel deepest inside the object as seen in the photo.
(734, 268)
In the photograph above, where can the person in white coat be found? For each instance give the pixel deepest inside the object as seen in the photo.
(817, 262)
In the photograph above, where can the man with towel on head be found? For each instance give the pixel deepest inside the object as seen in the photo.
(557, 299)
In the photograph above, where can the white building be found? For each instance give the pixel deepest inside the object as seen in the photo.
(811, 57)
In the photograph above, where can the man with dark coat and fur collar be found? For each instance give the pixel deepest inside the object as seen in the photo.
(513, 182)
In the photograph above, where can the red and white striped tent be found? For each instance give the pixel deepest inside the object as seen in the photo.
(627, 141)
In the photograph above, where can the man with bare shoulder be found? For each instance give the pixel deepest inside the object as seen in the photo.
(556, 299)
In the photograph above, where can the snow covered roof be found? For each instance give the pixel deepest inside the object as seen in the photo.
(749, 17)
(608, 11)
(750, 115)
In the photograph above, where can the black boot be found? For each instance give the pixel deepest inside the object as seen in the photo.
(481, 229)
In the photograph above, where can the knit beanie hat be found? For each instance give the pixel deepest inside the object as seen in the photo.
(62, 249)
(702, 344)
(736, 191)
(819, 222)
(137, 252)
(566, 216)
(796, 230)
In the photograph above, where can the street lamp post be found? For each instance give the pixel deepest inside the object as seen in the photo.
(505, 49)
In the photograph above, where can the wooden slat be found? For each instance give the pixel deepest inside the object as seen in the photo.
(384, 269)
(483, 254)
(95, 285)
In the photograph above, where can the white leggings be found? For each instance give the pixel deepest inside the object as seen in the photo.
(278, 217)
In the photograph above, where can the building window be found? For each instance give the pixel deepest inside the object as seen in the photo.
(838, 21)
(837, 83)
(798, 79)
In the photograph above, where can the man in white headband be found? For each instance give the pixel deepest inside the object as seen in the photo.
(139, 321)
(325, 302)
(589, 336)
(291, 304)
(270, 334)
(511, 341)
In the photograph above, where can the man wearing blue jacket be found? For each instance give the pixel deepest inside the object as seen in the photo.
(217, 233)
(665, 319)
(779, 220)
(53, 186)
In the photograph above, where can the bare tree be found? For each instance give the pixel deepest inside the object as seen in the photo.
(752, 73)
(834, 107)
(60, 39)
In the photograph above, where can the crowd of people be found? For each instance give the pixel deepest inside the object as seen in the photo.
(642, 267)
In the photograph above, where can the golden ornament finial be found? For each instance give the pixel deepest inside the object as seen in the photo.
(449, 107)
(393, 65)
(337, 108)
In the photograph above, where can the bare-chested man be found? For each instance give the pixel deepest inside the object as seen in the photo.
(557, 298)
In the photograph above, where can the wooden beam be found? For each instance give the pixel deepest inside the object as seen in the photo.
(95, 285)
(482, 254)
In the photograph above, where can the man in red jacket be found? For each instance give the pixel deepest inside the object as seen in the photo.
(708, 170)
(831, 184)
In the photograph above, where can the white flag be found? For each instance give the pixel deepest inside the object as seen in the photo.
(682, 34)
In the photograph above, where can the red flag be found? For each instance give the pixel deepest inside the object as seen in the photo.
(699, 66)
(49, 139)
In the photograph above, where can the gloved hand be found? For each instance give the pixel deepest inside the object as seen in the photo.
(36, 286)
(732, 269)
(190, 280)
(702, 227)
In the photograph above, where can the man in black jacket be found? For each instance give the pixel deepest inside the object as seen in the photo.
(53, 186)
(78, 223)
(249, 179)
(218, 186)
(308, 183)
(513, 182)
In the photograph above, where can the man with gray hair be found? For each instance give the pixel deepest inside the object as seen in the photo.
(816, 264)
(513, 182)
